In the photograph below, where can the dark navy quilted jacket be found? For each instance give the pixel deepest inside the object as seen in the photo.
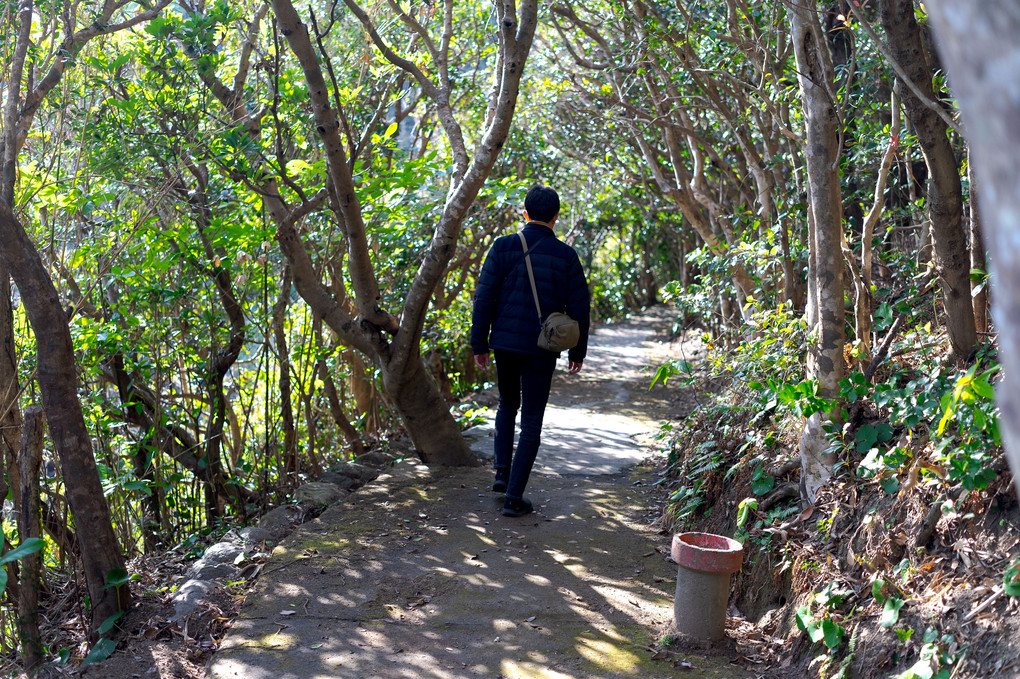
(504, 313)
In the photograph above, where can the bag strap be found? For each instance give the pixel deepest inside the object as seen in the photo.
(531, 275)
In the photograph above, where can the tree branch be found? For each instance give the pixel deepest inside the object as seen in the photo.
(901, 73)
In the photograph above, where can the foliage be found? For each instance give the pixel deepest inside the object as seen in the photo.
(955, 408)
(29, 546)
(936, 661)
(1011, 579)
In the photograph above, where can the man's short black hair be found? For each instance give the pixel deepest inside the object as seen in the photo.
(542, 203)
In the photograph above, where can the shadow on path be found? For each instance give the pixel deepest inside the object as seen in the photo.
(419, 575)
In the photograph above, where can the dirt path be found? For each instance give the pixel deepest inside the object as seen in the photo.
(419, 575)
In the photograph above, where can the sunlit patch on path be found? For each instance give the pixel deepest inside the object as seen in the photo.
(420, 576)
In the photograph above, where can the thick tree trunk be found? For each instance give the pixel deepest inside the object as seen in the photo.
(978, 43)
(418, 399)
(945, 195)
(822, 157)
(58, 384)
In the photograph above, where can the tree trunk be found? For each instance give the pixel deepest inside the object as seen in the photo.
(29, 462)
(221, 359)
(978, 43)
(978, 255)
(822, 157)
(290, 457)
(336, 408)
(366, 400)
(863, 314)
(418, 398)
(151, 507)
(58, 384)
(10, 389)
(945, 195)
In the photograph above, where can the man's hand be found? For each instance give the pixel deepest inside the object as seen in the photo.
(482, 361)
(575, 366)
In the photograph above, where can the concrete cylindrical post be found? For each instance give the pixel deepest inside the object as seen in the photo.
(703, 582)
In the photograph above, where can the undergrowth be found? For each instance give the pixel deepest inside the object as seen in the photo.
(917, 446)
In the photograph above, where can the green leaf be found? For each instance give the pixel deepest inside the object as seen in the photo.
(891, 611)
(139, 485)
(904, 634)
(807, 623)
(665, 371)
(117, 577)
(876, 591)
(884, 432)
(744, 509)
(390, 131)
(983, 389)
(109, 623)
(803, 617)
(100, 652)
(761, 482)
(890, 485)
(920, 670)
(29, 546)
(866, 437)
(1011, 579)
(832, 633)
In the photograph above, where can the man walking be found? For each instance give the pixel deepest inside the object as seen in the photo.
(506, 321)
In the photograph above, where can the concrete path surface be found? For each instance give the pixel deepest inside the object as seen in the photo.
(419, 575)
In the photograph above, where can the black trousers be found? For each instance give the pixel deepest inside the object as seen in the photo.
(524, 381)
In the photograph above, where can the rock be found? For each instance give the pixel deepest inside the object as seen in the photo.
(359, 472)
(212, 571)
(375, 458)
(281, 521)
(222, 552)
(319, 493)
(217, 562)
(188, 597)
(253, 535)
(345, 482)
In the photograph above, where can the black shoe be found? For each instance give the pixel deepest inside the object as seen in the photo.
(520, 507)
(502, 476)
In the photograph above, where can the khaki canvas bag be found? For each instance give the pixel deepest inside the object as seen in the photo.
(559, 331)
